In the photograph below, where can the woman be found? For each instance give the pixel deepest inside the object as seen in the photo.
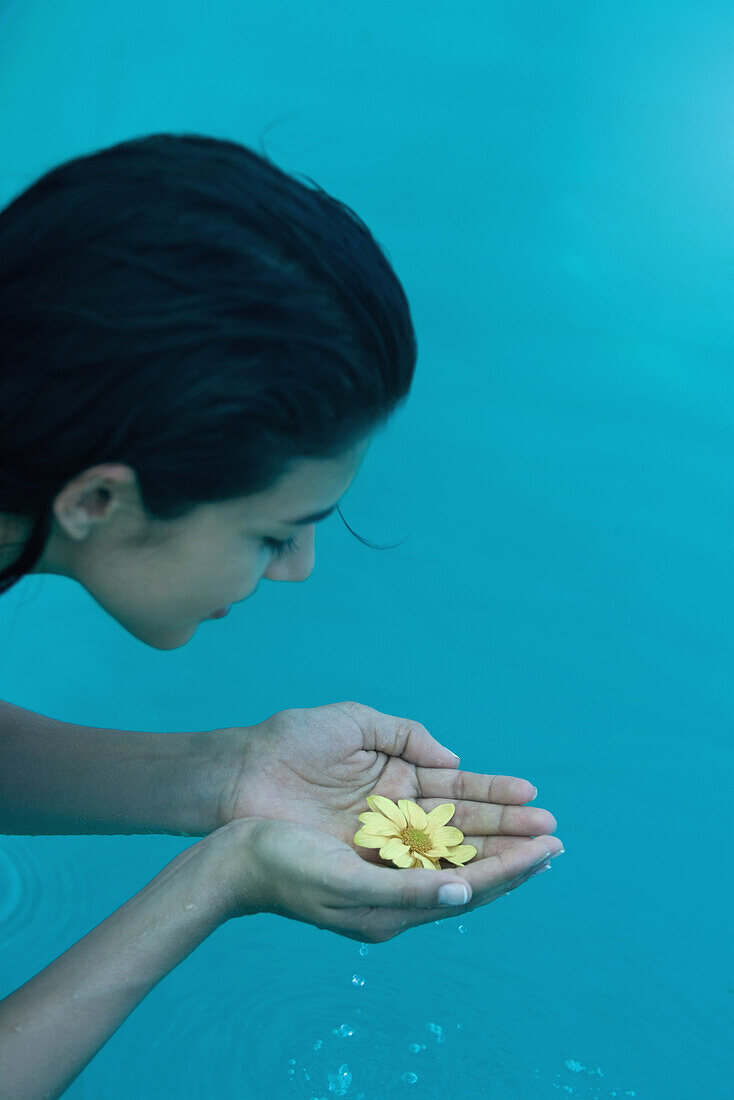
(196, 352)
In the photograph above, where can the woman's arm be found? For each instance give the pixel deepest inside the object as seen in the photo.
(56, 777)
(312, 765)
(53, 1025)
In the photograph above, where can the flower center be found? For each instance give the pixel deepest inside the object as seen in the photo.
(416, 840)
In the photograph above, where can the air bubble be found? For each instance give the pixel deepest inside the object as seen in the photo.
(462, 928)
(358, 980)
(409, 1078)
(364, 949)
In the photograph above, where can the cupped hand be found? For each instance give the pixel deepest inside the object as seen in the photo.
(296, 871)
(317, 765)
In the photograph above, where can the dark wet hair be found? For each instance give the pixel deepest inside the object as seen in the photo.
(179, 304)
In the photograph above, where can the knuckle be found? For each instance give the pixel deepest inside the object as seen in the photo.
(416, 727)
(410, 897)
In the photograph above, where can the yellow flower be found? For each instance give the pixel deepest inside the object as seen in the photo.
(409, 836)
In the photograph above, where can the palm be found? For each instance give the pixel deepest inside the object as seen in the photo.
(316, 766)
(311, 766)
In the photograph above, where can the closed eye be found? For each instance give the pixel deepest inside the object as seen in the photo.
(281, 547)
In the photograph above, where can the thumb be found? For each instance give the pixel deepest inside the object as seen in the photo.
(417, 888)
(401, 737)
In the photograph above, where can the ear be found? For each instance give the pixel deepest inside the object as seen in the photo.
(91, 497)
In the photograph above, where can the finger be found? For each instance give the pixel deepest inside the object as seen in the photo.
(486, 875)
(449, 785)
(491, 878)
(487, 846)
(361, 883)
(484, 819)
(400, 737)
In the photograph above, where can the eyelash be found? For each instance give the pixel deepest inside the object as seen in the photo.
(281, 547)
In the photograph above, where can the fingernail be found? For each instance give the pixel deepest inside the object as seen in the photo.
(453, 893)
(540, 870)
(458, 758)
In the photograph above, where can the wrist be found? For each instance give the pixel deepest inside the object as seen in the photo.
(227, 754)
(203, 793)
(201, 879)
(229, 867)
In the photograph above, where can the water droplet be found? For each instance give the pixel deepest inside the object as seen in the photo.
(437, 1031)
(409, 1078)
(364, 949)
(344, 1032)
(358, 980)
(340, 1081)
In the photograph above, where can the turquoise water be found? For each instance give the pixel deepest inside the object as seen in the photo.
(552, 184)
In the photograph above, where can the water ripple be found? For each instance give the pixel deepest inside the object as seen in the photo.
(20, 888)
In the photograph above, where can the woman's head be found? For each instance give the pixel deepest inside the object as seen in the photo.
(179, 315)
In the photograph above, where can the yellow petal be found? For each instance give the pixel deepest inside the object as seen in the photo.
(428, 863)
(462, 854)
(413, 812)
(439, 815)
(438, 851)
(447, 834)
(388, 808)
(394, 847)
(366, 841)
(403, 860)
(378, 825)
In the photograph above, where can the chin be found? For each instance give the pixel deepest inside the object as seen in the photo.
(162, 638)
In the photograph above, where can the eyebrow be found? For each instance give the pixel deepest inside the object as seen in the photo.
(313, 518)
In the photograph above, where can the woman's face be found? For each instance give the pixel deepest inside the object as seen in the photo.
(161, 578)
